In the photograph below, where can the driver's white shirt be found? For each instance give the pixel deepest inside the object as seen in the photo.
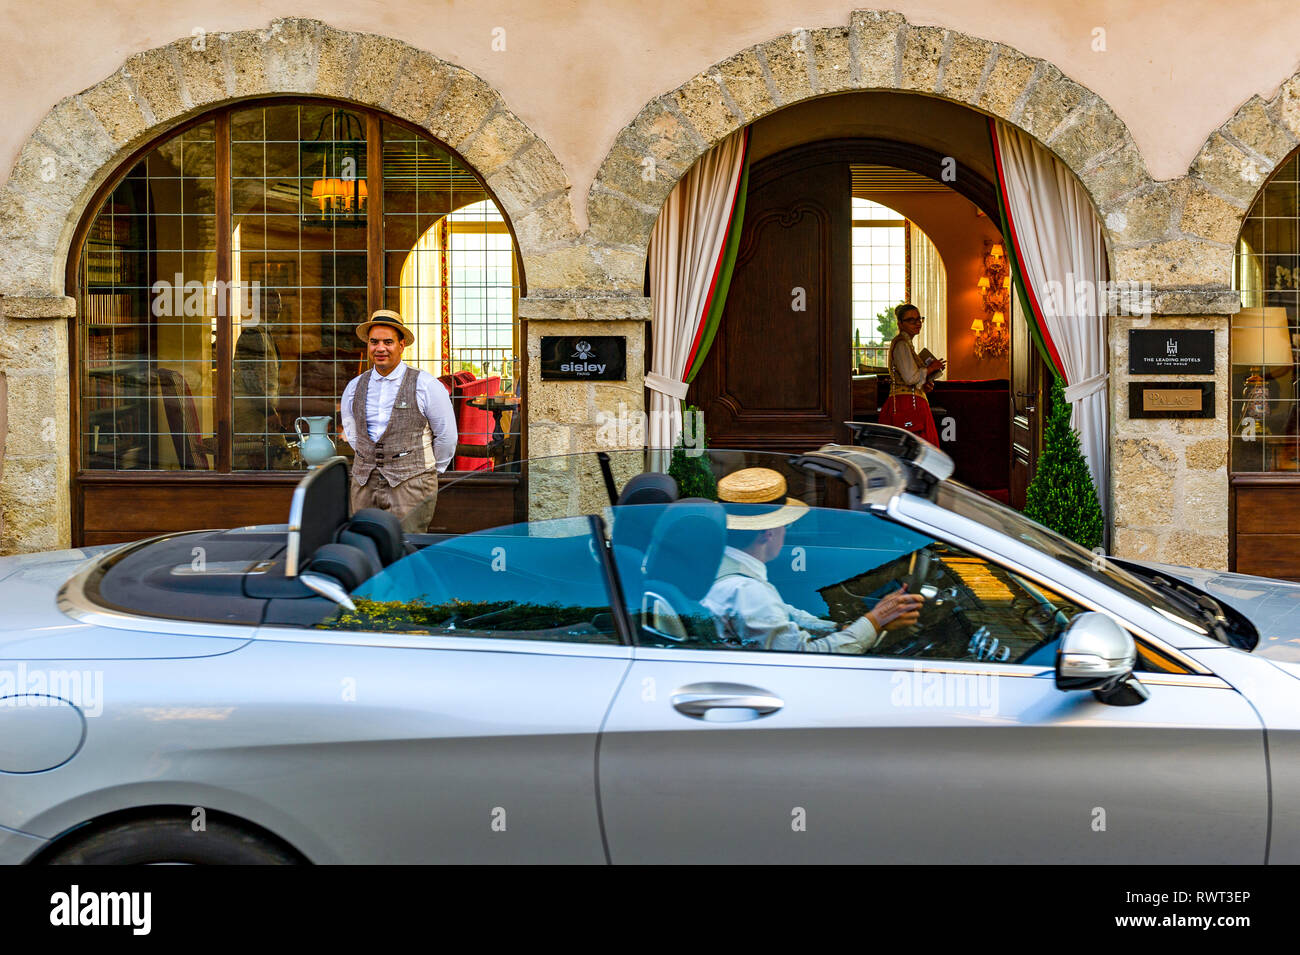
(748, 608)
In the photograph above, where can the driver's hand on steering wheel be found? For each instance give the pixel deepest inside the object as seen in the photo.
(898, 609)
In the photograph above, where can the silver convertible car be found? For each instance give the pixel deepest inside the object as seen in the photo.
(338, 689)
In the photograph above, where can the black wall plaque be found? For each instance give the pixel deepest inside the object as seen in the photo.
(1177, 399)
(1171, 351)
(584, 358)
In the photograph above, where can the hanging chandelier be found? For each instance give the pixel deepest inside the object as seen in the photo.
(340, 197)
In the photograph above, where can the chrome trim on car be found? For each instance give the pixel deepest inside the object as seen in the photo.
(74, 602)
(1207, 682)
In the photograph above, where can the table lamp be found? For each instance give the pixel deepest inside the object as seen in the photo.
(1261, 338)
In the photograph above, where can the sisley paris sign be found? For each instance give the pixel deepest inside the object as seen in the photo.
(587, 358)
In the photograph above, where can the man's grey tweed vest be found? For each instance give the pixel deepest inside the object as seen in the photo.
(405, 449)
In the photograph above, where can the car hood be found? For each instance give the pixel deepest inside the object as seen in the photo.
(32, 627)
(1273, 606)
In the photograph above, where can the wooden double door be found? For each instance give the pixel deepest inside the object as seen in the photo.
(779, 374)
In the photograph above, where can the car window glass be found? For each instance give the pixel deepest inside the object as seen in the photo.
(832, 567)
(1004, 520)
(536, 581)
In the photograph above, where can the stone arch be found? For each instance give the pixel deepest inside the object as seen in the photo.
(85, 138)
(1238, 158)
(878, 50)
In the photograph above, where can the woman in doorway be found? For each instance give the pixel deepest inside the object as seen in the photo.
(910, 379)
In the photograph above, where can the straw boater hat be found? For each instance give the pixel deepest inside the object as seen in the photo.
(760, 492)
(386, 316)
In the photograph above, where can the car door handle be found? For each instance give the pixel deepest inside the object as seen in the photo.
(698, 700)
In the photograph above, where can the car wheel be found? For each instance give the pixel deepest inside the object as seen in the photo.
(162, 841)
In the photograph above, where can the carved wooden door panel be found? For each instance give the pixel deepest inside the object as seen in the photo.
(778, 376)
(1029, 384)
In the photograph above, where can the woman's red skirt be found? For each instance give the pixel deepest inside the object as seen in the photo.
(911, 412)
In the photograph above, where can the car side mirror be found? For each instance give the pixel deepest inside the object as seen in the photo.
(1098, 654)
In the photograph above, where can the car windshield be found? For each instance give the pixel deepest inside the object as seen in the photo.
(574, 485)
(984, 510)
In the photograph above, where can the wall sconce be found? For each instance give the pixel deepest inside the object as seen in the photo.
(992, 339)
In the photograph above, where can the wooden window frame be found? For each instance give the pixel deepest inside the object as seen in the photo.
(222, 392)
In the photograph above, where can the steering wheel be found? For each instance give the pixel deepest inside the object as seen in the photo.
(918, 571)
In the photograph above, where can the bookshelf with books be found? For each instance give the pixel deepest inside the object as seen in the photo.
(116, 334)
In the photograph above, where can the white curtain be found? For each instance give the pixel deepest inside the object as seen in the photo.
(929, 292)
(1061, 248)
(685, 248)
(421, 300)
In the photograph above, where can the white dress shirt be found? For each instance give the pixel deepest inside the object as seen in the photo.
(746, 607)
(430, 396)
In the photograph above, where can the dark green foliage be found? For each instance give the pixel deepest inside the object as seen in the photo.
(690, 467)
(1061, 495)
(887, 325)
(475, 618)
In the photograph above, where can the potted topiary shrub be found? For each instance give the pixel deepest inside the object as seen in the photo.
(690, 467)
(1062, 495)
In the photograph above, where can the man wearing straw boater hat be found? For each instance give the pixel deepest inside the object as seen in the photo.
(400, 424)
(749, 610)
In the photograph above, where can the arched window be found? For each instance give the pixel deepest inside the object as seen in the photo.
(893, 262)
(221, 277)
(1265, 406)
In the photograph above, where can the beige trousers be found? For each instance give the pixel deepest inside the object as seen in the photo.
(413, 501)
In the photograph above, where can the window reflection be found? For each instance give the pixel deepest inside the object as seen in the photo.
(299, 238)
(1265, 403)
(158, 296)
(149, 306)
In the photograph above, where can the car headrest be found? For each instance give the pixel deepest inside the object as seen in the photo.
(632, 525)
(686, 546)
(382, 527)
(650, 487)
(346, 564)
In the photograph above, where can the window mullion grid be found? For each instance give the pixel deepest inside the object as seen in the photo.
(225, 356)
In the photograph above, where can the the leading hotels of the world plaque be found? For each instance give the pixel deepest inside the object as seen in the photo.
(1171, 351)
(584, 358)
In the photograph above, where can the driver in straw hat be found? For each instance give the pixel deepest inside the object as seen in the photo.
(400, 424)
(749, 610)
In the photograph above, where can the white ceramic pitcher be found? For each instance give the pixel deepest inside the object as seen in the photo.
(316, 446)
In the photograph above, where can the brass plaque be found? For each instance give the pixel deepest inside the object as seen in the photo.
(1186, 399)
(1171, 399)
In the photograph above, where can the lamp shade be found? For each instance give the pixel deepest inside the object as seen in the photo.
(1261, 336)
(983, 282)
(997, 318)
(977, 325)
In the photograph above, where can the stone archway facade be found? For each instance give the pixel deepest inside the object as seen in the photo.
(85, 138)
(1177, 235)
(1170, 241)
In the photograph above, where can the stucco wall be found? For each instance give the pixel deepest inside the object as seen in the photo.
(582, 117)
(577, 71)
